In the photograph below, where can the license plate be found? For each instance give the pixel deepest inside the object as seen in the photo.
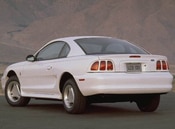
(133, 67)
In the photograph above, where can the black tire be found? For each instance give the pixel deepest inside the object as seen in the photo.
(149, 103)
(74, 102)
(13, 94)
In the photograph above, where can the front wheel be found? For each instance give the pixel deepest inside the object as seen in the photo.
(74, 102)
(148, 103)
(13, 94)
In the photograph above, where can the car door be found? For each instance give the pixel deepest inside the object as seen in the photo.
(39, 77)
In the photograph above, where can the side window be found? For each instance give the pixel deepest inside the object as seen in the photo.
(64, 52)
(51, 51)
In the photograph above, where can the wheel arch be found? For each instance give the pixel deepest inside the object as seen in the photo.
(65, 76)
(11, 73)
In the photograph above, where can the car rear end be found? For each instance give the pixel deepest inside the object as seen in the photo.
(122, 68)
(127, 74)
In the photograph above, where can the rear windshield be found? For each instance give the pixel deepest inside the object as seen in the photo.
(93, 46)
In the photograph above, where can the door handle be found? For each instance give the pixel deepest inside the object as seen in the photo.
(49, 67)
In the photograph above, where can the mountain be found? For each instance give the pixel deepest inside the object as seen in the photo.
(27, 25)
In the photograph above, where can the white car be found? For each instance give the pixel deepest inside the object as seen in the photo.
(88, 69)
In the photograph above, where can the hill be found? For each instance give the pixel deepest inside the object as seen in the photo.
(26, 25)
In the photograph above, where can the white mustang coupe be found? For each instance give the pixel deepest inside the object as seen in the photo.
(89, 69)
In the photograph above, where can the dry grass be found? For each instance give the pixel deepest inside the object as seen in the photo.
(2, 68)
(0, 88)
(172, 69)
(174, 84)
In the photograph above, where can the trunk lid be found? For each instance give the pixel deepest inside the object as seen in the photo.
(134, 63)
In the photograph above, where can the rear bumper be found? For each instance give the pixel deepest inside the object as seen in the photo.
(125, 83)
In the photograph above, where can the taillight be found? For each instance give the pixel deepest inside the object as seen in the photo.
(102, 65)
(162, 65)
(110, 65)
(95, 66)
(158, 65)
(134, 56)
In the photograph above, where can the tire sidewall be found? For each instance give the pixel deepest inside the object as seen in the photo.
(79, 99)
(68, 83)
(22, 100)
(150, 104)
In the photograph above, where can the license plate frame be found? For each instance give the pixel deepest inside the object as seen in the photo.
(133, 67)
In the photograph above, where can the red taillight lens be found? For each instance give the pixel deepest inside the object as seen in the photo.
(158, 67)
(95, 66)
(162, 65)
(104, 65)
(134, 56)
(110, 65)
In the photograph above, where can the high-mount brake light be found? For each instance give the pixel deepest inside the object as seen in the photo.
(134, 56)
(102, 65)
(162, 65)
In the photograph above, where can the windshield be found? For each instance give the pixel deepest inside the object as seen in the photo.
(108, 46)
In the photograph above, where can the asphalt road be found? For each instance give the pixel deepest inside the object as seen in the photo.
(42, 114)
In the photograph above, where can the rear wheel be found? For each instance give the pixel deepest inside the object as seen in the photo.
(13, 94)
(74, 102)
(148, 103)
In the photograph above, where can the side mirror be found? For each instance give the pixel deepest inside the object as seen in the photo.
(30, 58)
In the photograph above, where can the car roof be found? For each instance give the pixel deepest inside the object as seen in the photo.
(75, 49)
(77, 37)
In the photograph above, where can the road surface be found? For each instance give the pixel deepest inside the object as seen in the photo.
(42, 114)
